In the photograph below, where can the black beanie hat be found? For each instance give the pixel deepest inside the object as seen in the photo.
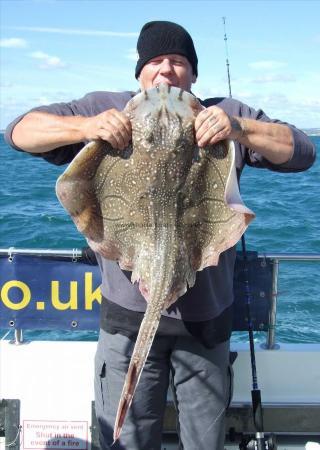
(164, 38)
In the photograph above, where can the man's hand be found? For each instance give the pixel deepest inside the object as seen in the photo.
(274, 141)
(213, 124)
(112, 126)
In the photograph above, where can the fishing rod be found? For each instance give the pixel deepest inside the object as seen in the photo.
(260, 441)
(227, 55)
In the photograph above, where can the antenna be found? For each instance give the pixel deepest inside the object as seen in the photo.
(227, 56)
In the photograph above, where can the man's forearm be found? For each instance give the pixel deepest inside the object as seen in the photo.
(40, 132)
(272, 140)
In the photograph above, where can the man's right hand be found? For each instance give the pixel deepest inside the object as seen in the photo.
(40, 132)
(112, 126)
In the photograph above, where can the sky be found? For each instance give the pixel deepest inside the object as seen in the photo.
(59, 50)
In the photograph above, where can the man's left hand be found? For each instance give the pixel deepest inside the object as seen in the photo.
(213, 124)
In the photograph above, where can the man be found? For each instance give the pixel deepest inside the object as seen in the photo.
(192, 343)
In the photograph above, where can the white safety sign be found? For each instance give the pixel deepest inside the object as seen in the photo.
(64, 435)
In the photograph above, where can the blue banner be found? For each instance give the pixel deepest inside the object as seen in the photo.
(46, 293)
(43, 293)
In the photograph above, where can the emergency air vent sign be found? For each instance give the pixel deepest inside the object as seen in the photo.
(43, 435)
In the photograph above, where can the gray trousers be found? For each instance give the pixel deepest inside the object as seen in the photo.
(201, 381)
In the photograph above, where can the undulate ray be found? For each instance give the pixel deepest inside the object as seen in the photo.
(163, 208)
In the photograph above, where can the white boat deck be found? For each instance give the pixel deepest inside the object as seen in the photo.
(47, 386)
(54, 383)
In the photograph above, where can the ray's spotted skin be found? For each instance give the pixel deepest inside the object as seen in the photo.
(164, 208)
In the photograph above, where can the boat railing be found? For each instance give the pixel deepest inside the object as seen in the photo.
(277, 258)
(263, 274)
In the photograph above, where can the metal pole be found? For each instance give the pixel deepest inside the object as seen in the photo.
(271, 336)
(74, 253)
(291, 256)
(18, 336)
(78, 252)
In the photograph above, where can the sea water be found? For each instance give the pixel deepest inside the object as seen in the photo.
(287, 208)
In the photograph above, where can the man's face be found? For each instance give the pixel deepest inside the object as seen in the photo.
(174, 70)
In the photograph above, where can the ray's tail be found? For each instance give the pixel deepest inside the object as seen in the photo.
(161, 268)
(140, 353)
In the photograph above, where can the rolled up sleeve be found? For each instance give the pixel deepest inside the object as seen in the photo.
(303, 157)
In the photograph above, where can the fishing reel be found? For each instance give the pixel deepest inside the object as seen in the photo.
(258, 442)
